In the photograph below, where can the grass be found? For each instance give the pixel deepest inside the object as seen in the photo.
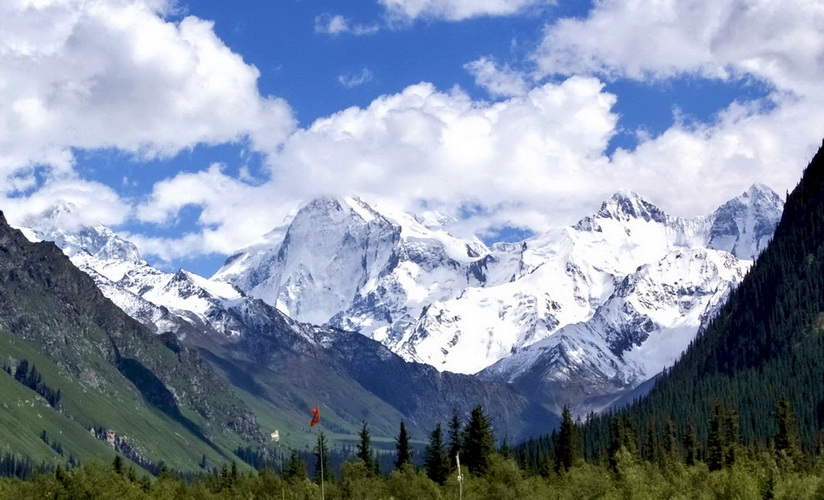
(117, 407)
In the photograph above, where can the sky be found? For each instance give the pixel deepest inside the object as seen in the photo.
(195, 127)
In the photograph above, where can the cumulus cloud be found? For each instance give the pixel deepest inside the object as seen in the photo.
(337, 24)
(115, 74)
(456, 10)
(536, 158)
(231, 212)
(528, 160)
(499, 81)
(781, 43)
(691, 168)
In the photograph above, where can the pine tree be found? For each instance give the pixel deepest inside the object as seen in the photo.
(437, 460)
(568, 445)
(651, 449)
(322, 459)
(723, 439)
(691, 444)
(623, 434)
(295, 468)
(402, 446)
(478, 443)
(732, 437)
(364, 451)
(454, 446)
(117, 464)
(715, 440)
(506, 449)
(670, 441)
(786, 440)
(234, 472)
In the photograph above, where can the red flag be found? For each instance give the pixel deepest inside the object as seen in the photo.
(315, 417)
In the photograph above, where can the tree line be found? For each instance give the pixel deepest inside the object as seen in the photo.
(651, 462)
(31, 378)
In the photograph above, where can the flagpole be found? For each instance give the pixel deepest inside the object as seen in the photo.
(320, 450)
(276, 439)
(460, 476)
(316, 421)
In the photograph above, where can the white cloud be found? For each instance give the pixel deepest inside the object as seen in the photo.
(232, 212)
(691, 169)
(115, 74)
(456, 10)
(336, 25)
(96, 203)
(779, 42)
(535, 159)
(528, 160)
(356, 79)
(498, 81)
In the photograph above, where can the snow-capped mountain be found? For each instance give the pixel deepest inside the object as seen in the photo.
(578, 314)
(182, 303)
(462, 306)
(646, 324)
(343, 263)
(274, 357)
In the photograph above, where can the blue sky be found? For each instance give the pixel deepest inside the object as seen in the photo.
(195, 127)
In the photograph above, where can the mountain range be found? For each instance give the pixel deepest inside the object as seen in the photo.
(760, 352)
(580, 315)
(574, 315)
(280, 367)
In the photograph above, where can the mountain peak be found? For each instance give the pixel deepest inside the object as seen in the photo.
(63, 214)
(760, 193)
(744, 225)
(626, 205)
(757, 188)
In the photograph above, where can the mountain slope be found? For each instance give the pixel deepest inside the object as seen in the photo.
(765, 342)
(113, 373)
(644, 326)
(283, 367)
(461, 306)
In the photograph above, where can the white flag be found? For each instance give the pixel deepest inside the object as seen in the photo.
(276, 436)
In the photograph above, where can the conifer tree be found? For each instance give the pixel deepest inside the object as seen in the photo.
(690, 444)
(786, 439)
(454, 446)
(732, 437)
(404, 455)
(670, 441)
(623, 434)
(568, 445)
(723, 439)
(478, 443)
(651, 449)
(364, 451)
(715, 439)
(505, 450)
(322, 459)
(234, 472)
(437, 460)
(295, 468)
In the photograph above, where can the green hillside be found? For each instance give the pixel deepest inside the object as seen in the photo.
(153, 399)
